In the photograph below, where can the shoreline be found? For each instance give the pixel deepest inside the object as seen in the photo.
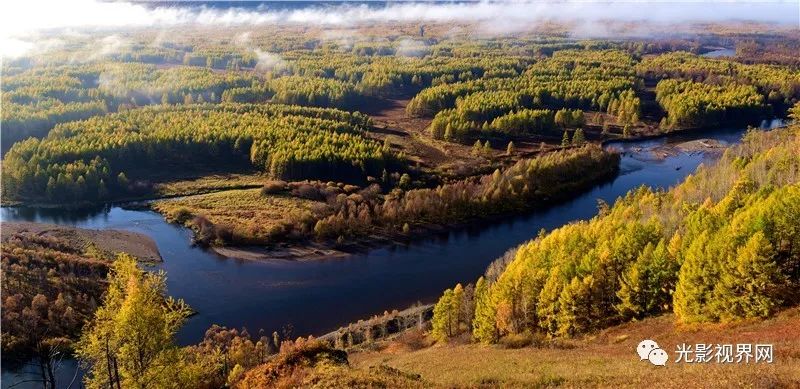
(310, 250)
(108, 241)
(137, 200)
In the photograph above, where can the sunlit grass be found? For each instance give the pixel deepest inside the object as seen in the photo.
(246, 212)
(608, 359)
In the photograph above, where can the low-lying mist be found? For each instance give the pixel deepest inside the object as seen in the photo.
(22, 20)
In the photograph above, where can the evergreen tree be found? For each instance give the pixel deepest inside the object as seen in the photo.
(578, 139)
(575, 307)
(750, 285)
(455, 309)
(646, 286)
(696, 281)
(443, 317)
(477, 147)
(130, 341)
(510, 149)
(484, 329)
(565, 139)
(487, 148)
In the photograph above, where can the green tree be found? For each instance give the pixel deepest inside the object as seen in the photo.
(575, 307)
(578, 139)
(565, 139)
(696, 281)
(646, 286)
(442, 317)
(750, 286)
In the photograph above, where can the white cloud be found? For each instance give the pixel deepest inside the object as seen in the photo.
(268, 62)
(21, 17)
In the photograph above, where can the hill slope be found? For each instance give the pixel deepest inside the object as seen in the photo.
(606, 359)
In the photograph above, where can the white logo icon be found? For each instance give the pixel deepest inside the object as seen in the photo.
(649, 350)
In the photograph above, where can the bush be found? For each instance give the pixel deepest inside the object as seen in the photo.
(413, 339)
(309, 192)
(181, 215)
(273, 187)
(515, 341)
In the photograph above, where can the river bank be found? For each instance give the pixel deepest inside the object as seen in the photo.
(317, 297)
(108, 242)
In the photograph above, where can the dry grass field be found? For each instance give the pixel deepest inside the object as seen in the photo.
(244, 211)
(605, 359)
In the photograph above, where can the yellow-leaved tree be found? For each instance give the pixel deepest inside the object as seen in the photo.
(129, 343)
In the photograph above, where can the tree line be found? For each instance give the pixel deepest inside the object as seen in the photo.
(719, 247)
(694, 104)
(37, 99)
(343, 214)
(103, 157)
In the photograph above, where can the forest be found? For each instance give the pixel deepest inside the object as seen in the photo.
(317, 210)
(325, 142)
(719, 247)
(101, 157)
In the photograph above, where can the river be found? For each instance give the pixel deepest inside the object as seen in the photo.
(314, 297)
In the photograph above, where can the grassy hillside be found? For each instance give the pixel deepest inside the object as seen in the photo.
(604, 359)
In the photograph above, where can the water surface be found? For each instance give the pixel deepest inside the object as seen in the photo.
(314, 297)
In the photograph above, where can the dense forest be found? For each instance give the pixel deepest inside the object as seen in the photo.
(110, 156)
(570, 79)
(326, 141)
(37, 99)
(720, 247)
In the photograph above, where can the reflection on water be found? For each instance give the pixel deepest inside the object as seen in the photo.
(317, 296)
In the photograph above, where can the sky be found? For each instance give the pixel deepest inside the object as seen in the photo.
(19, 20)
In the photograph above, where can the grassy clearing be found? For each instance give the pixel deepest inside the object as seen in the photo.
(209, 183)
(607, 359)
(245, 212)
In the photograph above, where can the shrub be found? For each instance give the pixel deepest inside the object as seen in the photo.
(273, 187)
(181, 215)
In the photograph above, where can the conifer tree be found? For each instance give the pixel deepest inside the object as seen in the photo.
(696, 281)
(455, 309)
(442, 317)
(565, 139)
(484, 329)
(510, 149)
(477, 147)
(578, 139)
(574, 312)
(750, 285)
(129, 343)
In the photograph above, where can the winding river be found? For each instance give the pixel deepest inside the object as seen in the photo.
(313, 297)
